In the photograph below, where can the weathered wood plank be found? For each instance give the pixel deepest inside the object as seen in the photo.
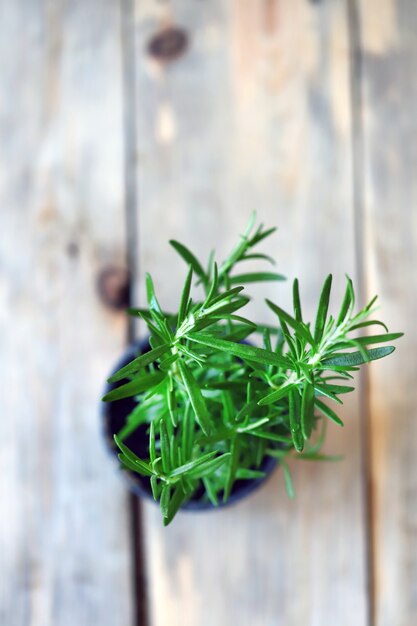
(255, 114)
(389, 94)
(64, 540)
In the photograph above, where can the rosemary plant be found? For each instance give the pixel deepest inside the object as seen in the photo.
(215, 404)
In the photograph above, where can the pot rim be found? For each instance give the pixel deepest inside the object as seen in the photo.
(138, 484)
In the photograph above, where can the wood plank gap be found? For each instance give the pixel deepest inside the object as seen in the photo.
(139, 572)
(130, 149)
(131, 210)
(356, 67)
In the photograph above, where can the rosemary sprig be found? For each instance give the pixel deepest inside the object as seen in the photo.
(216, 407)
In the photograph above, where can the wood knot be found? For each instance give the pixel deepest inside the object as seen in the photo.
(113, 286)
(168, 44)
(73, 249)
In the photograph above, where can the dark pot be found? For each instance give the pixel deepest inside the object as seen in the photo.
(113, 416)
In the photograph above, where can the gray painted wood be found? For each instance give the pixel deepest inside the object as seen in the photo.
(255, 114)
(389, 88)
(64, 536)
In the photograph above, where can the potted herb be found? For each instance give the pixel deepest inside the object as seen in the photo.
(201, 414)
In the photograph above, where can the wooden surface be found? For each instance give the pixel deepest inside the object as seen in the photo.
(302, 110)
(258, 119)
(65, 555)
(389, 59)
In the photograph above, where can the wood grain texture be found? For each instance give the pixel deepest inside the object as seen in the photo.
(255, 114)
(389, 88)
(64, 542)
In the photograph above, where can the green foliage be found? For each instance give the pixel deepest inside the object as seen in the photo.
(216, 407)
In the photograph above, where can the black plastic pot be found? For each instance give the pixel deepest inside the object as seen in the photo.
(113, 419)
